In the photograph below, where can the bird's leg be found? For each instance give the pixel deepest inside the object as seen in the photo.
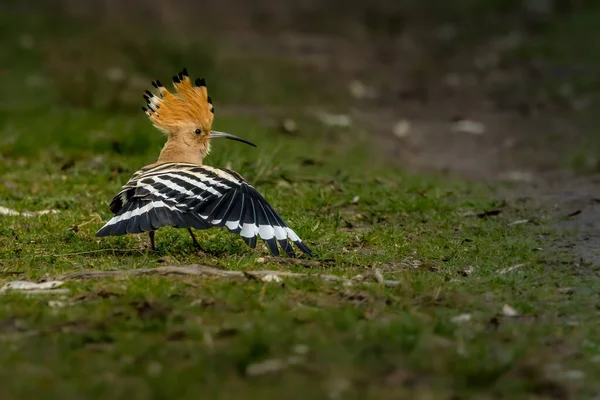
(195, 240)
(151, 234)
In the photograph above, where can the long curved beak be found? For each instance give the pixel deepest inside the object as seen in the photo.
(217, 134)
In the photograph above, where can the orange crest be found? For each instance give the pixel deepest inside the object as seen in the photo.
(189, 105)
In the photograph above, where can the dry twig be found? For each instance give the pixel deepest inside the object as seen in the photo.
(196, 269)
(382, 281)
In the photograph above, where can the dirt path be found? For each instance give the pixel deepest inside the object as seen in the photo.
(444, 121)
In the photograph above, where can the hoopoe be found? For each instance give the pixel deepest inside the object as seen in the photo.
(179, 190)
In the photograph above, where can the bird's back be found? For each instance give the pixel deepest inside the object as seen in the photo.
(186, 195)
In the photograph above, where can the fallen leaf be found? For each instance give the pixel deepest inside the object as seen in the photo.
(8, 211)
(26, 285)
(461, 318)
(508, 311)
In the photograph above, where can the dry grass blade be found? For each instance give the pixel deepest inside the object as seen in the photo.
(511, 269)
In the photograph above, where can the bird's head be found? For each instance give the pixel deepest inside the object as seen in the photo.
(186, 116)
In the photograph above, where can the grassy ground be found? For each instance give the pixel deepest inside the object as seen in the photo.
(442, 332)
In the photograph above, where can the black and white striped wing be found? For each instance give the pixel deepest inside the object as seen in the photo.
(201, 197)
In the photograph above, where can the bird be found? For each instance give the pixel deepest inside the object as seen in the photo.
(179, 190)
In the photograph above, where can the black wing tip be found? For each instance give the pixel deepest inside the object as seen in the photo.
(272, 245)
(110, 230)
(287, 247)
(248, 241)
(103, 232)
(304, 248)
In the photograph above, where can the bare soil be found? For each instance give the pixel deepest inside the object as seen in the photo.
(450, 117)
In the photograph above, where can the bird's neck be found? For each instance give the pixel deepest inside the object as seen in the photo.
(179, 151)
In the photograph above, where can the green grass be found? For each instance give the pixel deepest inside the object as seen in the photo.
(184, 337)
(198, 337)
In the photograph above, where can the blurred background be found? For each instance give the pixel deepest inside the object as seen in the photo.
(488, 89)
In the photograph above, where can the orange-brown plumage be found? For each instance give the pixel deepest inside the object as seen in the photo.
(185, 115)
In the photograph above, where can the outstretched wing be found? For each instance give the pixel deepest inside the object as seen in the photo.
(201, 197)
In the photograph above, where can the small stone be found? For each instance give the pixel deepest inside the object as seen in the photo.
(288, 125)
(271, 278)
(468, 126)
(359, 90)
(461, 318)
(401, 128)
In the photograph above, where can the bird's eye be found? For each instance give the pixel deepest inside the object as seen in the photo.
(197, 131)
